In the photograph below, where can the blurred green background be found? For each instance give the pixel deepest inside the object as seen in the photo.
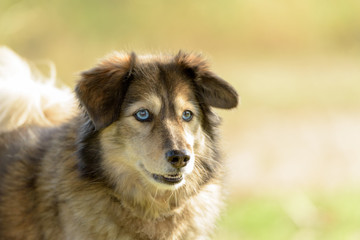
(293, 145)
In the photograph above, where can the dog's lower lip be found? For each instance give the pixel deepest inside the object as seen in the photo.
(168, 179)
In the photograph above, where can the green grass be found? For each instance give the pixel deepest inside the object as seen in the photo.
(333, 217)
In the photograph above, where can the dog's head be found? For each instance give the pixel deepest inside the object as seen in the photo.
(153, 118)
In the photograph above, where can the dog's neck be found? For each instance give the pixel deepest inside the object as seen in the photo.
(150, 203)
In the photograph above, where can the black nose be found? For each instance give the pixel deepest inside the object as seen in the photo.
(177, 158)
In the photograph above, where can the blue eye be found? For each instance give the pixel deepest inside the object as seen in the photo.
(143, 115)
(187, 115)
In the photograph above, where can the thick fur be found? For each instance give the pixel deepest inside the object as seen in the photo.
(98, 172)
(25, 101)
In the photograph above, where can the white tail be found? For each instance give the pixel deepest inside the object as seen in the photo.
(27, 97)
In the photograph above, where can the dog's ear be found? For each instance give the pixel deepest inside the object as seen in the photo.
(102, 89)
(215, 91)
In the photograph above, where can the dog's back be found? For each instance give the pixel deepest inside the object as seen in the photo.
(140, 162)
(28, 102)
(27, 98)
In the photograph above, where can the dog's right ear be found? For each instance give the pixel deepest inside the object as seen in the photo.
(102, 89)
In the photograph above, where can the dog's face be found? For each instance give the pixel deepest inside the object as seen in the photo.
(157, 128)
(152, 115)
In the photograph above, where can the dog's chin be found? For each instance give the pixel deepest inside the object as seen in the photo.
(165, 181)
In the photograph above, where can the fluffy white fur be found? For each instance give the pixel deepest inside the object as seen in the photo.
(27, 97)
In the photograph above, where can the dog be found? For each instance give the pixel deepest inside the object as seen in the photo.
(132, 154)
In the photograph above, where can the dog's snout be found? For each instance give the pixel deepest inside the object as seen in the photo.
(177, 158)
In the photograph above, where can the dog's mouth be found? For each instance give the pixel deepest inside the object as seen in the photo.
(169, 179)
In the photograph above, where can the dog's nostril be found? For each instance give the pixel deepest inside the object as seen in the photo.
(174, 160)
(177, 158)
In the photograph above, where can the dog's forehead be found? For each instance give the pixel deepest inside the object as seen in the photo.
(165, 81)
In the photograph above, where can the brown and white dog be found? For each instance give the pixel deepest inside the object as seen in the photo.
(138, 160)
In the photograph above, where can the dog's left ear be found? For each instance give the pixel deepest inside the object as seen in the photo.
(215, 91)
(102, 89)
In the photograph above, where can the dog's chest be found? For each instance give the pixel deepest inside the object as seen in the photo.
(119, 223)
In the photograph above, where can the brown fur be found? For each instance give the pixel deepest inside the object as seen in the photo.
(91, 178)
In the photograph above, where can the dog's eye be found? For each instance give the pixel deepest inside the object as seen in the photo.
(143, 115)
(187, 115)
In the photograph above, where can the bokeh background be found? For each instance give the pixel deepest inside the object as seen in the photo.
(293, 145)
